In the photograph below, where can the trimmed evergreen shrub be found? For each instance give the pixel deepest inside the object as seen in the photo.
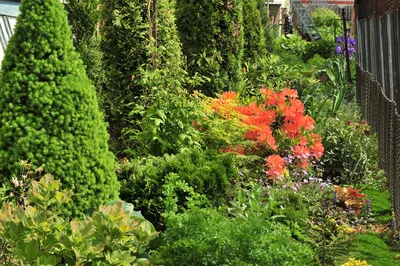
(142, 179)
(254, 41)
(128, 51)
(49, 113)
(213, 38)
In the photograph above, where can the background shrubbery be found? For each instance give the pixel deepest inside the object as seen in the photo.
(232, 179)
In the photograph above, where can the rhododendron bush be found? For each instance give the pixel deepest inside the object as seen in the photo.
(276, 128)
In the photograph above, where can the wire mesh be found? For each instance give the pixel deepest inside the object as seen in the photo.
(381, 113)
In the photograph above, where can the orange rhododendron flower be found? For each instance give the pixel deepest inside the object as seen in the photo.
(289, 93)
(275, 165)
(301, 151)
(271, 98)
(291, 130)
(229, 95)
(281, 115)
(303, 164)
(317, 149)
(307, 122)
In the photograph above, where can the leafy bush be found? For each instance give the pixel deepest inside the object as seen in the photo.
(349, 151)
(49, 112)
(209, 174)
(294, 45)
(208, 237)
(325, 17)
(323, 47)
(33, 233)
(268, 71)
(212, 37)
(254, 40)
(166, 126)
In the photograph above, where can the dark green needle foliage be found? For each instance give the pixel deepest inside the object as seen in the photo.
(49, 113)
(212, 37)
(254, 41)
(266, 24)
(129, 48)
(84, 17)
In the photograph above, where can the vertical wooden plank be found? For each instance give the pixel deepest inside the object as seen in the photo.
(381, 78)
(390, 56)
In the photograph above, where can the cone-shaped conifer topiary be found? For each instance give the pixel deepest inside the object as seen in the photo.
(212, 37)
(128, 47)
(48, 109)
(254, 41)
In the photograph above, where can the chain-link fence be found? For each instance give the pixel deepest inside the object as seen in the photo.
(378, 82)
(381, 113)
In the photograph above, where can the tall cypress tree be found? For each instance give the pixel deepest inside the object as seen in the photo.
(254, 41)
(266, 24)
(129, 48)
(212, 37)
(83, 17)
(48, 109)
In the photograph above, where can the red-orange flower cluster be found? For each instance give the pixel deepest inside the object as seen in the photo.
(275, 165)
(277, 124)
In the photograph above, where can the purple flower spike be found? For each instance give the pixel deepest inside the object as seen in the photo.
(351, 41)
(339, 39)
(338, 50)
(393, 225)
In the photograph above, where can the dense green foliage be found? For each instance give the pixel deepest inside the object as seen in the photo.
(143, 179)
(266, 24)
(212, 37)
(83, 17)
(254, 41)
(166, 126)
(323, 48)
(349, 151)
(33, 233)
(208, 237)
(49, 112)
(294, 45)
(131, 54)
(325, 17)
